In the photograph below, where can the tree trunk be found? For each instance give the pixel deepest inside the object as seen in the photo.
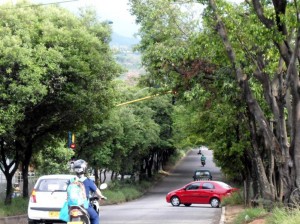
(25, 166)
(9, 169)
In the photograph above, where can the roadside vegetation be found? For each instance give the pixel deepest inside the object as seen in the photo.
(18, 206)
(278, 215)
(275, 215)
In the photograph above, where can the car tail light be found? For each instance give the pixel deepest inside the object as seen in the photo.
(33, 196)
(75, 213)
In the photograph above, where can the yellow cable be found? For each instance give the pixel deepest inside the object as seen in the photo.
(140, 99)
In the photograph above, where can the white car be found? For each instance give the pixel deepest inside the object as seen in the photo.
(47, 198)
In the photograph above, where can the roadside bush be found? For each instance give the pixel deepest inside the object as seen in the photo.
(235, 199)
(113, 197)
(17, 207)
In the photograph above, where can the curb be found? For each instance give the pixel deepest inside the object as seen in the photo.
(222, 220)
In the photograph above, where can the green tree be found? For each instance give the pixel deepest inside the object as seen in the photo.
(56, 73)
(134, 139)
(54, 159)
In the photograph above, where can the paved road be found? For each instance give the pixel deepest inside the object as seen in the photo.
(153, 208)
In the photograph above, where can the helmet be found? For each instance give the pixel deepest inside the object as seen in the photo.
(80, 166)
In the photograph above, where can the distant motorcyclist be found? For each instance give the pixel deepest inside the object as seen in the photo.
(80, 168)
(203, 159)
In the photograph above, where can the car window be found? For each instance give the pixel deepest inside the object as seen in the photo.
(208, 186)
(193, 186)
(226, 186)
(53, 185)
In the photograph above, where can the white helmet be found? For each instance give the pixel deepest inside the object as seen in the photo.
(80, 166)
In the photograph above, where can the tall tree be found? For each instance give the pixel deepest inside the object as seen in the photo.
(56, 73)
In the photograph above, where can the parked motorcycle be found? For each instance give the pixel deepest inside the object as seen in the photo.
(78, 214)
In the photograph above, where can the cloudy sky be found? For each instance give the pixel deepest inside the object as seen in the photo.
(116, 11)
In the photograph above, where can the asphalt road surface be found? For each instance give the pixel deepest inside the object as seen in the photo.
(153, 208)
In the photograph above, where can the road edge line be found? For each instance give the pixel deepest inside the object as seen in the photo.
(222, 220)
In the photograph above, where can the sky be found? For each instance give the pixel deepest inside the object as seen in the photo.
(116, 11)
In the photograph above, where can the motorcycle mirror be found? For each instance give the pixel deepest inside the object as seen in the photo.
(103, 186)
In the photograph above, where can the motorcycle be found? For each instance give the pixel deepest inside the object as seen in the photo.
(79, 215)
(203, 163)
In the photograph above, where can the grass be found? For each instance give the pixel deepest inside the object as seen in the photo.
(278, 215)
(17, 207)
(284, 216)
(250, 214)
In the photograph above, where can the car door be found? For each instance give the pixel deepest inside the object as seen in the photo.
(205, 192)
(190, 193)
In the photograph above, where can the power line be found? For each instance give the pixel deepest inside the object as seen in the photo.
(41, 4)
(140, 99)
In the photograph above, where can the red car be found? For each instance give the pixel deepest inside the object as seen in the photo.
(200, 192)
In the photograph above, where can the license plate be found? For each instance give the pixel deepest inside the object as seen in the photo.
(75, 222)
(53, 214)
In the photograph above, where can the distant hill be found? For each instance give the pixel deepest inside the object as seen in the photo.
(122, 41)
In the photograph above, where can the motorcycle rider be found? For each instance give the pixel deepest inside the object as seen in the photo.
(203, 158)
(80, 168)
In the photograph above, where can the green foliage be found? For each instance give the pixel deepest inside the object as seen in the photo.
(284, 216)
(114, 197)
(250, 214)
(56, 72)
(235, 198)
(54, 159)
(52, 59)
(17, 207)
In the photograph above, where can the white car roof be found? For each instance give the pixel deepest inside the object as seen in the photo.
(57, 176)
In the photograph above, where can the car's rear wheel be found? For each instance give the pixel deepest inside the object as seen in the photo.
(175, 201)
(187, 204)
(215, 203)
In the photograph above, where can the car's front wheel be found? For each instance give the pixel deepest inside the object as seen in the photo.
(175, 201)
(215, 203)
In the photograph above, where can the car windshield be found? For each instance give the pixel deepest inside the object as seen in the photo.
(202, 173)
(53, 185)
